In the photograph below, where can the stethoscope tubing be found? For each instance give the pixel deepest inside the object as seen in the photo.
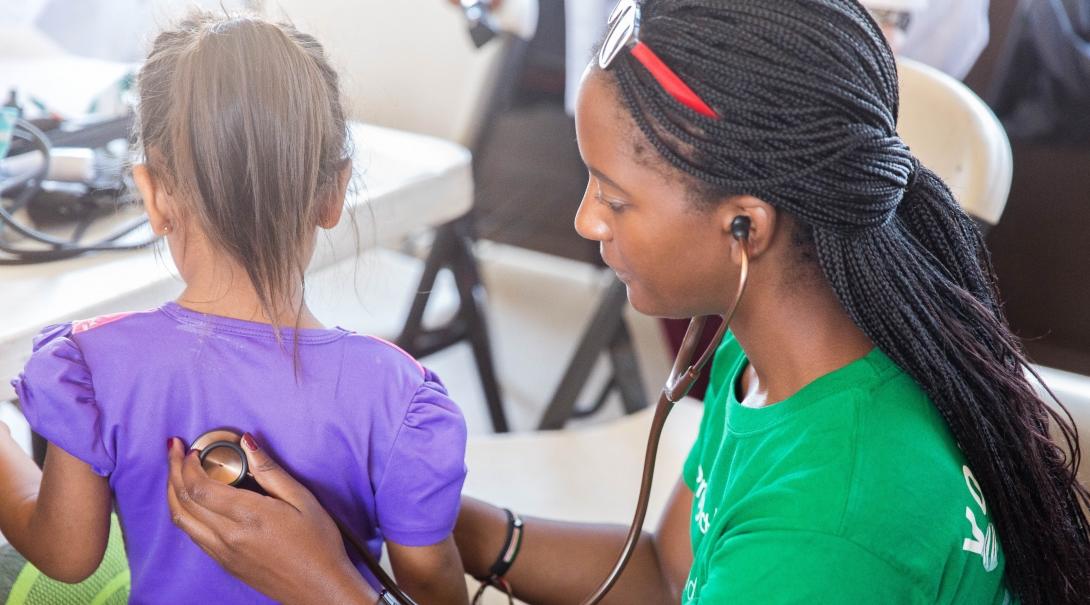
(677, 386)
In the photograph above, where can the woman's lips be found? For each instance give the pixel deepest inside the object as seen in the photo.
(621, 274)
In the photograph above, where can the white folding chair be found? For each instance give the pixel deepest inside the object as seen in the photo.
(956, 134)
(410, 65)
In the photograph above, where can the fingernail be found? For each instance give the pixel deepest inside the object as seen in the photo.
(170, 444)
(249, 442)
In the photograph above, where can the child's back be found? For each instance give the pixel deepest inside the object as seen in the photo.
(369, 430)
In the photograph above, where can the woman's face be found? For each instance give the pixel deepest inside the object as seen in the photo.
(672, 251)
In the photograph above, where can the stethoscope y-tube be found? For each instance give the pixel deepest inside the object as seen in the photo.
(223, 459)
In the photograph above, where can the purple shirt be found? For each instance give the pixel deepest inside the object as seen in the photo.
(369, 430)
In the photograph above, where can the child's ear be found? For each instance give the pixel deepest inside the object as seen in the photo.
(334, 205)
(155, 198)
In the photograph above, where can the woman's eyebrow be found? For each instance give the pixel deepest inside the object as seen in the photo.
(598, 174)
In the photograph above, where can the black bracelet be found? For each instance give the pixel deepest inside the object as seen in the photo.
(511, 545)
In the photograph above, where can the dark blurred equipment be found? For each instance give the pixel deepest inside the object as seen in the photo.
(482, 27)
(69, 179)
(1041, 90)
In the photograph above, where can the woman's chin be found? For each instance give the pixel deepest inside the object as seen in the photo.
(644, 304)
(653, 306)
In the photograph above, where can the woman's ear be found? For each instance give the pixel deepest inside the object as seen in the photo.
(763, 225)
(334, 205)
(154, 197)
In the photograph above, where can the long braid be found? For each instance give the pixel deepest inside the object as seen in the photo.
(807, 93)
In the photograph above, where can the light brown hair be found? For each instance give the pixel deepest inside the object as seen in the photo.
(241, 120)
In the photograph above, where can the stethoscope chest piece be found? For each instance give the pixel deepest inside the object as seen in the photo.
(221, 456)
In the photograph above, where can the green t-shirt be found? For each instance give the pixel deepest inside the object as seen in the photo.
(851, 491)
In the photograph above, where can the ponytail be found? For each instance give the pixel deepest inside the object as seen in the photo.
(923, 290)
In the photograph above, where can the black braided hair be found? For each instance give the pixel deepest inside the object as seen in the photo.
(807, 93)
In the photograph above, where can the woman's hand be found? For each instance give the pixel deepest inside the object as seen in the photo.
(285, 546)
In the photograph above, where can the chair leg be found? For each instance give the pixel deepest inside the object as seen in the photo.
(453, 249)
(472, 294)
(626, 370)
(414, 323)
(605, 331)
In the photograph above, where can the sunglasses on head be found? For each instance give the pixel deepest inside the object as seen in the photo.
(624, 34)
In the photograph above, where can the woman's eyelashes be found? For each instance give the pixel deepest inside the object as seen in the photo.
(614, 204)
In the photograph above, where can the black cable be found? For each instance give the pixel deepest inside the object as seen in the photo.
(31, 186)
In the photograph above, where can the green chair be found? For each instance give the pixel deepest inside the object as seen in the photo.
(22, 584)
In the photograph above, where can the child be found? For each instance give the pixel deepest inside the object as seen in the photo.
(246, 157)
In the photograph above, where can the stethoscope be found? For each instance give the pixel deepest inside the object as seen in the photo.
(223, 460)
(222, 457)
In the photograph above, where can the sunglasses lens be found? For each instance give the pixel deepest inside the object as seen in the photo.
(617, 10)
(621, 31)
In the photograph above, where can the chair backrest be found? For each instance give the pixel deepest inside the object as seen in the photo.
(955, 134)
(410, 64)
(1073, 391)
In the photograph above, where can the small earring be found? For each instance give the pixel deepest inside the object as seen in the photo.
(166, 228)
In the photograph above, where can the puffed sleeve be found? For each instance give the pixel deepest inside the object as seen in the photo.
(58, 399)
(419, 495)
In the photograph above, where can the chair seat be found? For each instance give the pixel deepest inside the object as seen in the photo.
(588, 473)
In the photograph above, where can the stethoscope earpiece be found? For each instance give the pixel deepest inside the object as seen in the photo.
(740, 226)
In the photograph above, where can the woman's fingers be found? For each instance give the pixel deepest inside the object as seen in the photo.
(210, 502)
(180, 514)
(293, 555)
(273, 478)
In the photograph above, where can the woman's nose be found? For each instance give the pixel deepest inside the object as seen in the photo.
(589, 220)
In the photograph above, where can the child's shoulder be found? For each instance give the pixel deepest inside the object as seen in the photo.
(92, 327)
(383, 355)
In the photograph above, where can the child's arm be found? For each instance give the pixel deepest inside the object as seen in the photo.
(430, 574)
(58, 519)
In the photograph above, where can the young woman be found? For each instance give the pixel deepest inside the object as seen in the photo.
(869, 435)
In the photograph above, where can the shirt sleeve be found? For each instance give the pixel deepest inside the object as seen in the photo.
(58, 399)
(419, 495)
(796, 566)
